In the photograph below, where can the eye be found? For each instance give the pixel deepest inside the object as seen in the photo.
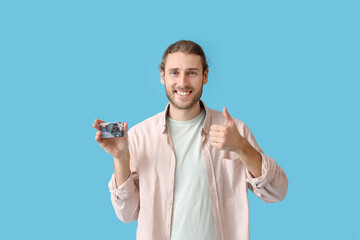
(192, 73)
(173, 73)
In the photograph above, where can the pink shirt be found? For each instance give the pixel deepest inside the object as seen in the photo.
(147, 195)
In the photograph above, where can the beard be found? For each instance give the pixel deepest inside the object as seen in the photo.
(180, 104)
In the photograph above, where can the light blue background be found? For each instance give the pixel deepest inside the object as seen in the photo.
(288, 69)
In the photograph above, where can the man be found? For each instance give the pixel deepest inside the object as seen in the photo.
(185, 172)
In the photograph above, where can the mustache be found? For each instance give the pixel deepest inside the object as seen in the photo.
(184, 89)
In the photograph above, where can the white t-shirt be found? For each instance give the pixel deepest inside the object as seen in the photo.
(192, 215)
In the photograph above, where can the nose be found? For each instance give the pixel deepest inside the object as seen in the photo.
(183, 81)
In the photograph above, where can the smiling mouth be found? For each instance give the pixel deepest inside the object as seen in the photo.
(182, 93)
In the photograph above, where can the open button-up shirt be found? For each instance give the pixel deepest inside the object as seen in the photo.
(147, 195)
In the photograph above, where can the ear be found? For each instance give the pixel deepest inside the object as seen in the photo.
(206, 73)
(162, 77)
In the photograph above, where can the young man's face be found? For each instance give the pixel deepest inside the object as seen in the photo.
(183, 79)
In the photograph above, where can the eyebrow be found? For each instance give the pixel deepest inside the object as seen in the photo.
(193, 69)
(188, 69)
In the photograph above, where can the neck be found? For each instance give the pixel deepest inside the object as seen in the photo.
(184, 114)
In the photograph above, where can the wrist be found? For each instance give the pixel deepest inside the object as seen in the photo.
(245, 151)
(121, 156)
(121, 169)
(252, 160)
(243, 148)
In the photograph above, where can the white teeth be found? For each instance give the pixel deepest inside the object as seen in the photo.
(183, 93)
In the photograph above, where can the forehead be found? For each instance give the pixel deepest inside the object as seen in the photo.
(183, 61)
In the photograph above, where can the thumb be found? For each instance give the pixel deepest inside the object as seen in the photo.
(229, 120)
(126, 128)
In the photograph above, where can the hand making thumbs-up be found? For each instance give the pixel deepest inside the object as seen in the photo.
(226, 137)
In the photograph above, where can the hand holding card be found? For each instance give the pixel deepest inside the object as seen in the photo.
(112, 137)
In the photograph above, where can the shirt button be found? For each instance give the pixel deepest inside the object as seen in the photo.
(169, 226)
(170, 203)
(172, 182)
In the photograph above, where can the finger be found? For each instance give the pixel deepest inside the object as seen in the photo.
(219, 141)
(98, 121)
(96, 126)
(216, 127)
(98, 138)
(214, 139)
(217, 145)
(219, 134)
(98, 134)
(126, 129)
(227, 116)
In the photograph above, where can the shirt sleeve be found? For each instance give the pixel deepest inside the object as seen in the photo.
(125, 199)
(272, 185)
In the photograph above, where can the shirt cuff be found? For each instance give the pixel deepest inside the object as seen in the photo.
(267, 172)
(125, 190)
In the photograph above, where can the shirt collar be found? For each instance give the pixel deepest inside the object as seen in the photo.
(206, 125)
